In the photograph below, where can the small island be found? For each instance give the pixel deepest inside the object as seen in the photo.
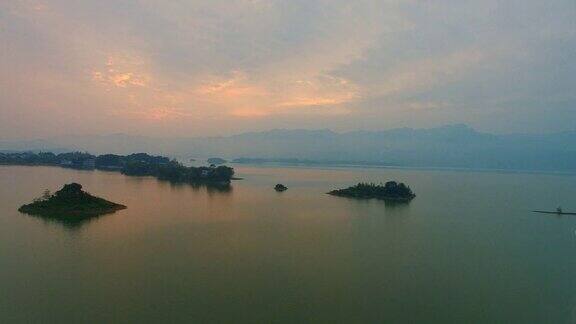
(70, 204)
(280, 187)
(391, 191)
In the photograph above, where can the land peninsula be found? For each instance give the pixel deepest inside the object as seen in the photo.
(391, 191)
(138, 164)
(70, 204)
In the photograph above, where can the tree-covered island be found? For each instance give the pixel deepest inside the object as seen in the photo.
(70, 204)
(391, 191)
(138, 164)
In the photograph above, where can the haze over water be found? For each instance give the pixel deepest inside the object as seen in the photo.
(466, 250)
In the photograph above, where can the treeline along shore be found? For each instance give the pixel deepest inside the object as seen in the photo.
(137, 164)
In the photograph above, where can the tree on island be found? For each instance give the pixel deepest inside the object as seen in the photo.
(391, 190)
(137, 164)
(280, 187)
(70, 204)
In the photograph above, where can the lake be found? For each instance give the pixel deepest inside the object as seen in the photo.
(466, 250)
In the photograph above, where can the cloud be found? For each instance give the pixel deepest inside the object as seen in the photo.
(190, 65)
(153, 114)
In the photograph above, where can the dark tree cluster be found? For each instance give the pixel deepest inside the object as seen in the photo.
(80, 160)
(176, 172)
(70, 203)
(28, 158)
(113, 161)
(138, 164)
(280, 187)
(391, 190)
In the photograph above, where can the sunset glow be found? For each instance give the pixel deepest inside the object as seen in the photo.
(246, 65)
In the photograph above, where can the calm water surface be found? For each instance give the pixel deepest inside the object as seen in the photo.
(466, 250)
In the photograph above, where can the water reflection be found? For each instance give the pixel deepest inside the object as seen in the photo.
(211, 187)
(219, 188)
(211, 190)
(388, 204)
(465, 250)
(71, 223)
(395, 205)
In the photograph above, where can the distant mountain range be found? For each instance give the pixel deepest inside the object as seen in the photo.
(452, 146)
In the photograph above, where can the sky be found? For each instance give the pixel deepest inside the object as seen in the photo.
(218, 67)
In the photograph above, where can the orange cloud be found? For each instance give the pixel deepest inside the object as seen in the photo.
(320, 91)
(120, 80)
(154, 114)
(122, 71)
(318, 101)
(249, 112)
(234, 87)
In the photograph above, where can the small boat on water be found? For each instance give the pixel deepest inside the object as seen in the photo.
(558, 211)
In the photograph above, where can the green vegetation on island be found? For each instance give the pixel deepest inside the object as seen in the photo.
(70, 204)
(280, 187)
(391, 191)
(138, 164)
(176, 172)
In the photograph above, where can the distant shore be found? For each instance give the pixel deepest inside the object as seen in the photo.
(137, 164)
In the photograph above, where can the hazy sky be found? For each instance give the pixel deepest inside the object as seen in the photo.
(215, 67)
